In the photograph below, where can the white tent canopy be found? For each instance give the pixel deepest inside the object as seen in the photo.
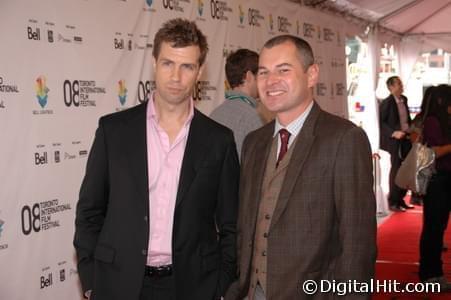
(423, 22)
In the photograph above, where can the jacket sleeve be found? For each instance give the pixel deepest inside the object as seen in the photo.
(356, 210)
(91, 208)
(226, 215)
(385, 128)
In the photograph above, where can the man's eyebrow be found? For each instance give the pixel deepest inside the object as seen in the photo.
(284, 65)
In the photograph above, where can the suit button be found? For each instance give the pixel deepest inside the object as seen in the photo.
(267, 216)
(264, 253)
(146, 218)
(144, 252)
(265, 234)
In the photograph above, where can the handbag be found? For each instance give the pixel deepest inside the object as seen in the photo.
(418, 167)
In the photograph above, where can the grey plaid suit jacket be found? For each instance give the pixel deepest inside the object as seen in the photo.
(324, 224)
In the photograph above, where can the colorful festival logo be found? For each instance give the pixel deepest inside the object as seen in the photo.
(149, 2)
(200, 7)
(1, 226)
(122, 92)
(241, 14)
(42, 91)
(271, 22)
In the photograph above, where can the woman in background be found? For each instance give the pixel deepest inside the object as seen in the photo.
(437, 201)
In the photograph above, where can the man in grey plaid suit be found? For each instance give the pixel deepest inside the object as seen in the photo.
(307, 208)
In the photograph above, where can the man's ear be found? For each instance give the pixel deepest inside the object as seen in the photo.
(249, 76)
(312, 75)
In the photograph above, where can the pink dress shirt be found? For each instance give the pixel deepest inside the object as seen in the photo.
(164, 162)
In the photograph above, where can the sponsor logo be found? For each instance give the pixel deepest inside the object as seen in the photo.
(254, 17)
(57, 156)
(42, 216)
(241, 14)
(121, 43)
(321, 89)
(62, 275)
(34, 33)
(358, 107)
(122, 92)
(340, 89)
(7, 88)
(283, 25)
(50, 36)
(83, 153)
(40, 158)
(42, 91)
(174, 5)
(81, 93)
(148, 6)
(144, 89)
(2, 245)
(219, 9)
(63, 39)
(1, 227)
(203, 90)
(271, 22)
(2, 104)
(200, 7)
(328, 34)
(46, 280)
(69, 156)
(309, 30)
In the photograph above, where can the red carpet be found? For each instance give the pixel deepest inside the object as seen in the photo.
(398, 254)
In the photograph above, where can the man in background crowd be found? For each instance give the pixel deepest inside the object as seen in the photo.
(239, 110)
(394, 122)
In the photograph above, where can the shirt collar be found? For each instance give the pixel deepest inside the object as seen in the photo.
(235, 95)
(296, 125)
(152, 113)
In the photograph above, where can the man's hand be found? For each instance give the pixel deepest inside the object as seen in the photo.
(398, 134)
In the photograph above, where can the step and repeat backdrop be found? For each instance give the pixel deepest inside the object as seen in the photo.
(65, 63)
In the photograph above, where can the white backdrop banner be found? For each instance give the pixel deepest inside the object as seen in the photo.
(63, 64)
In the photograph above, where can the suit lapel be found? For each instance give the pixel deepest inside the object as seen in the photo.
(136, 142)
(300, 153)
(195, 149)
(256, 170)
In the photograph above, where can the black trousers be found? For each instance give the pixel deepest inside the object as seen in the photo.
(436, 209)
(158, 288)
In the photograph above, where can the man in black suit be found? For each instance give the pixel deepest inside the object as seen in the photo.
(157, 211)
(394, 121)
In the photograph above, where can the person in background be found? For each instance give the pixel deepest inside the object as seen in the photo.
(436, 203)
(239, 110)
(156, 217)
(307, 210)
(416, 129)
(394, 122)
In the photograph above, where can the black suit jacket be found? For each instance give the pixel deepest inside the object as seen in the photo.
(389, 122)
(112, 217)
